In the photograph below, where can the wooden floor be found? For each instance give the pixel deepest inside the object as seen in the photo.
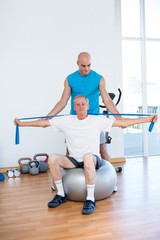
(133, 213)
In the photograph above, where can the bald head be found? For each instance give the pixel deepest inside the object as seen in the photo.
(84, 63)
(83, 55)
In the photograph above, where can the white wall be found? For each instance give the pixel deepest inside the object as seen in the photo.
(39, 44)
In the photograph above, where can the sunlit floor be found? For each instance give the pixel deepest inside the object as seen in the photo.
(132, 213)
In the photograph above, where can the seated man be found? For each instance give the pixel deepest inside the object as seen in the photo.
(82, 138)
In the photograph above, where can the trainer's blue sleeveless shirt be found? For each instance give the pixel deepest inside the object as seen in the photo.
(87, 86)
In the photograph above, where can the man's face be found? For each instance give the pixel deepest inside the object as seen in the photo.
(84, 64)
(81, 105)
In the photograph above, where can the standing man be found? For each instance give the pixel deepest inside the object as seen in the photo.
(90, 84)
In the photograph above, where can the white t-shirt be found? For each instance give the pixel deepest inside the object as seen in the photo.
(82, 136)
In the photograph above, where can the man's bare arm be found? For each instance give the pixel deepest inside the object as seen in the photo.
(38, 123)
(63, 101)
(123, 123)
(107, 100)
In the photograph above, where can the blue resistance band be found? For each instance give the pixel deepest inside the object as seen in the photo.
(17, 139)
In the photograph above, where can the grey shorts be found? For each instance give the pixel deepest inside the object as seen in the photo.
(81, 164)
(102, 138)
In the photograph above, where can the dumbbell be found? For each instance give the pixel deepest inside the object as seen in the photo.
(13, 173)
(10, 173)
(43, 164)
(23, 163)
(33, 167)
(16, 172)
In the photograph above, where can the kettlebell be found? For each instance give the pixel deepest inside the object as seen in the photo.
(33, 167)
(43, 164)
(23, 163)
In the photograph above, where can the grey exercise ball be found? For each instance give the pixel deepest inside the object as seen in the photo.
(75, 186)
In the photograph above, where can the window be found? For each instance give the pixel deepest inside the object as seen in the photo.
(152, 18)
(141, 72)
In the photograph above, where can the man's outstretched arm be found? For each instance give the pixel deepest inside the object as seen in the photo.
(38, 123)
(123, 123)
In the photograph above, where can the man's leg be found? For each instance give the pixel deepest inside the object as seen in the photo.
(104, 153)
(67, 154)
(90, 176)
(57, 161)
(103, 150)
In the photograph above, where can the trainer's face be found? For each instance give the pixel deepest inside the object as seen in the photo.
(84, 64)
(81, 105)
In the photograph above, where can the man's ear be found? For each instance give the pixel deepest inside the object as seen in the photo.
(88, 106)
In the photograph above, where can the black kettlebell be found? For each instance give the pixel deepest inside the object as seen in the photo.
(42, 158)
(23, 163)
(33, 167)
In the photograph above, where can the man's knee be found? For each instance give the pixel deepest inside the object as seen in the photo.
(52, 159)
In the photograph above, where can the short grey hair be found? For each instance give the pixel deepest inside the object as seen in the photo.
(78, 96)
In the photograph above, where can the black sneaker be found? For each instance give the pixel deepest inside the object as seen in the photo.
(89, 207)
(57, 200)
